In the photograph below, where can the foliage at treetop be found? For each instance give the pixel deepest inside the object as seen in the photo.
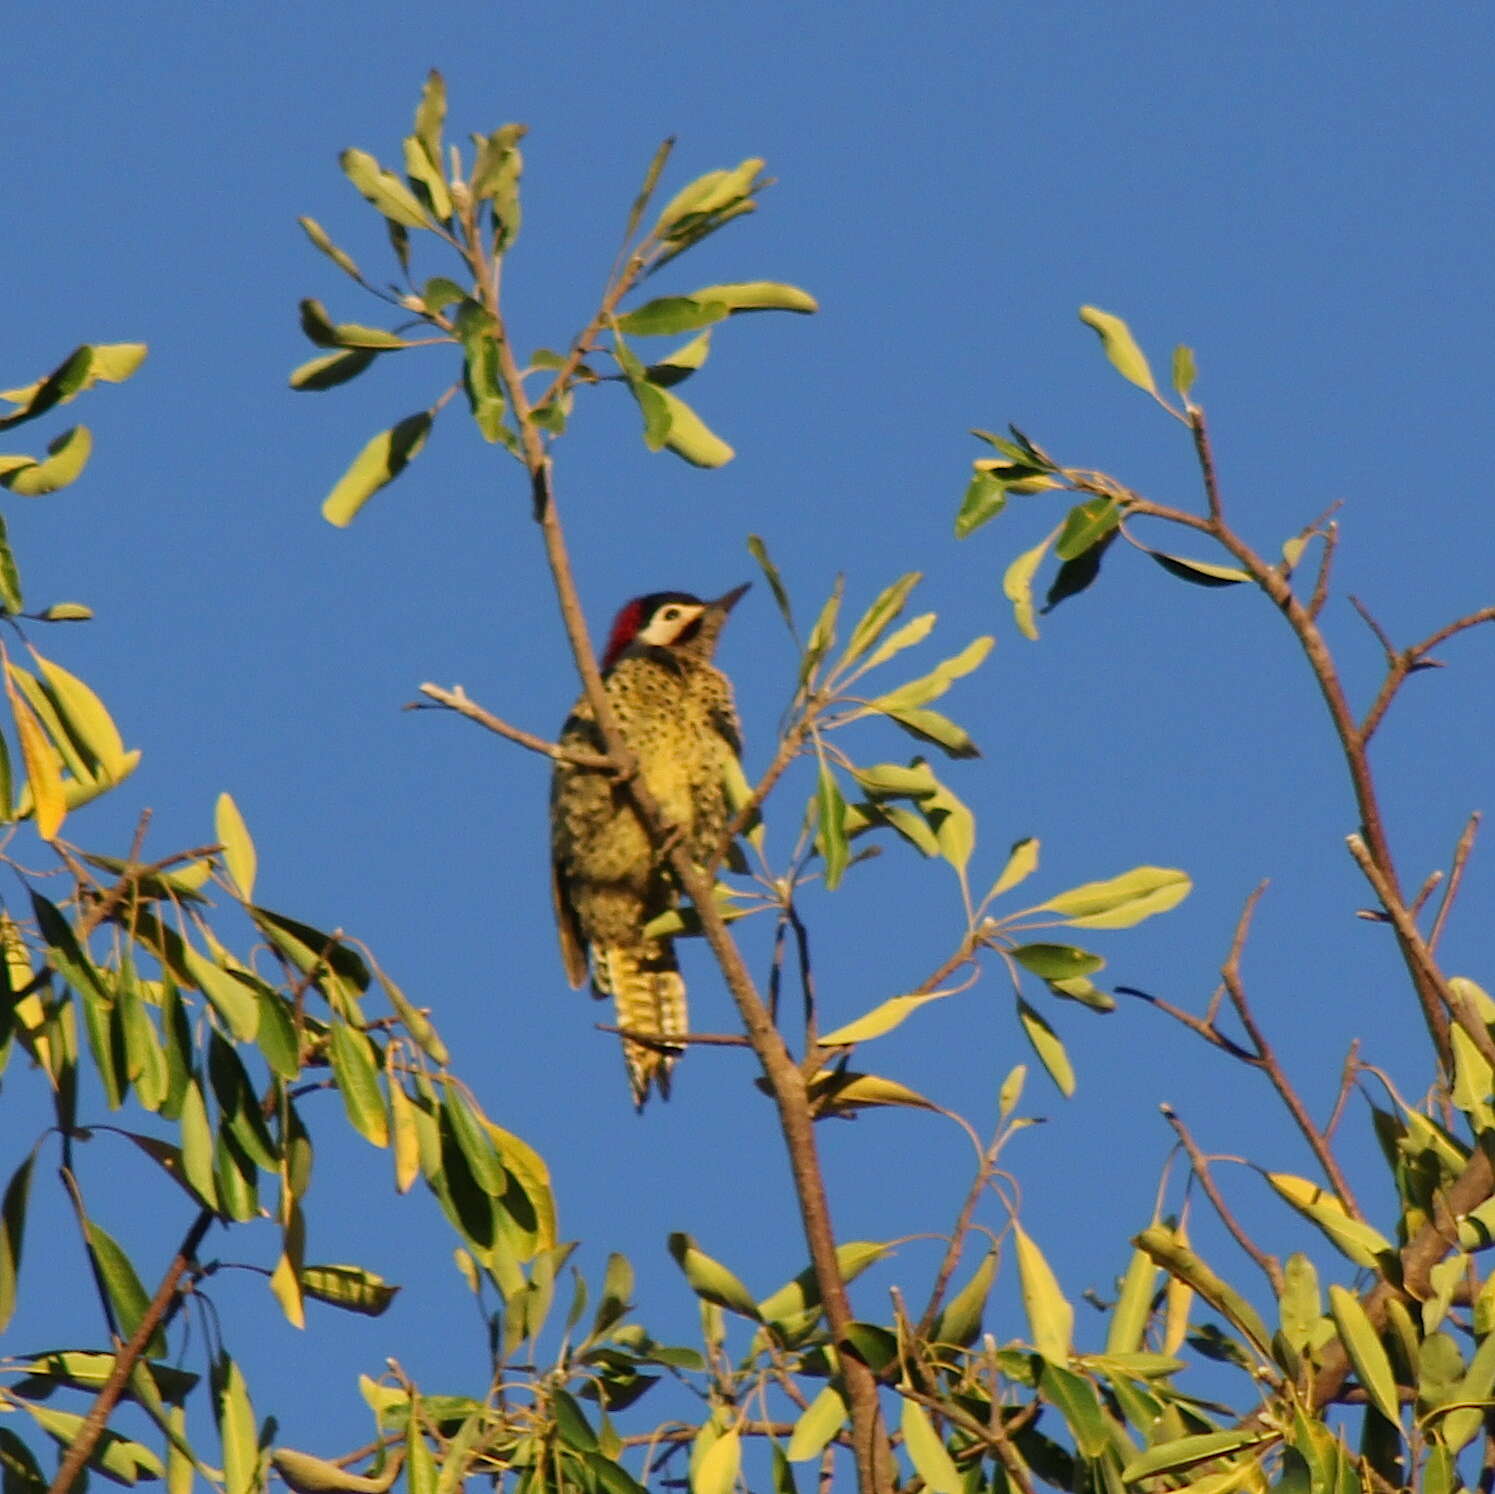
(211, 1025)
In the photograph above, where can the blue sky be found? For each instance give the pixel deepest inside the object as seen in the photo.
(1300, 193)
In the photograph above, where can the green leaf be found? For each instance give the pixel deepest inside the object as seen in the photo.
(12, 1233)
(1184, 372)
(1355, 1239)
(231, 999)
(646, 190)
(478, 332)
(1074, 576)
(1022, 862)
(1056, 961)
(1184, 1452)
(1199, 572)
(710, 1280)
(10, 591)
(1126, 357)
(1086, 524)
(1051, 1319)
(430, 115)
(379, 463)
(1079, 1405)
(985, 497)
(883, 1018)
(318, 235)
(383, 189)
(817, 1424)
(959, 1321)
(236, 1427)
(931, 726)
(934, 684)
(679, 365)
(830, 821)
(197, 1146)
(238, 1106)
(1047, 1046)
(357, 1076)
(351, 1288)
(332, 369)
(931, 1461)
(759, 551)
(719, 1466)
(116, 1457)
(73, 375)
(1129, 1317)
(758, 295)
(1120, 902)
(671, 314)
(1174, 1256)
(706, 204)
(126, 1293)
(875, 621)
(802, 1295)
(1300, 1306)
(425, 174)
(325, 333)
(690, 438)
(1372, 1367)
(66, 456)
(86, 719)
(66, 612)
(1017, 585)
(472, 1137)
(238, 847)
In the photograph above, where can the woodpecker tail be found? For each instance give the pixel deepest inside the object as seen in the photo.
(645, 984)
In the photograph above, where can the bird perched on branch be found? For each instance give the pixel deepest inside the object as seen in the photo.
(611, 878)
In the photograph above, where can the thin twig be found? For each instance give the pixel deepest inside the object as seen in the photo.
(1326, 565)
(1231, 974)
(1455, 877)
(677, 1040)
(1268, 1264)
(86, 1438)
(456, 699)
(956, 1246)
(1201, 1026)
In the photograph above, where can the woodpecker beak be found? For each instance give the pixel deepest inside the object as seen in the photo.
(725, 604)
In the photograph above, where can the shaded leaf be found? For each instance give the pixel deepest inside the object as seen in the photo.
(332, 369)
(1200, 572)
(1372, 1367)
(1056, 961)
(351, 1288)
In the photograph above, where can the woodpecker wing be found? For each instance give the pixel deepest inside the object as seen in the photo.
(568, 928)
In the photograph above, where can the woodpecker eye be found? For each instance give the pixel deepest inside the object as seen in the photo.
(670, 614)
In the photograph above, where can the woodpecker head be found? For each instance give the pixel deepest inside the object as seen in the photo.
(670, 620)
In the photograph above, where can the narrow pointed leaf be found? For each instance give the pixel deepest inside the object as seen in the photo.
(351, 1288)
(830, 835)
(934, 684)
(881, 1019)
(332, 369)
(671, 314)
(1199, 572)
(238, 846)
(1116, 337)
(1128, 1328)
(1047, 1046)
(710, 1280)
(1372, 1367)
(12, 1233)
(318, 235)
(931, 1461)
(758, 295)
(1184, 372)
(1362, 1243)
(1086, 524)
(43, 771)
(1022, 862)
(1120, 902)
(759, 551)
(817, 1424)
(358, 1082)
(236, 1428)
(1051, 1319)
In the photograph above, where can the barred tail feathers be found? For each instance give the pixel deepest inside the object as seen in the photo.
(649, 993)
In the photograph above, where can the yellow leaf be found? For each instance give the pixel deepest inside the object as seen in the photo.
(43, 772)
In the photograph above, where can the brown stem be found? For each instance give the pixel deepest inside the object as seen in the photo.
(80, 1449)
(789, 1087)
(456, 699)
(1267, 1058)
(1269, 1265)
(1455, 877)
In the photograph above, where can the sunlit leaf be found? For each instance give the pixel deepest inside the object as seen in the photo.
(1022, 862)
(709, 1279)
(1119, 902)
(881, 1019)
(1086, 524)
(66, 457)
(1047, 1046)
(1200, 572)
(383, 189)
(1184, 372)
(1050, 1317)
(1354, 1238)
(379, 463)
(931, 1461)
(817, 1424)
(238, 847)
(1017, 585)
(1372, 1367)
(1116, 337)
